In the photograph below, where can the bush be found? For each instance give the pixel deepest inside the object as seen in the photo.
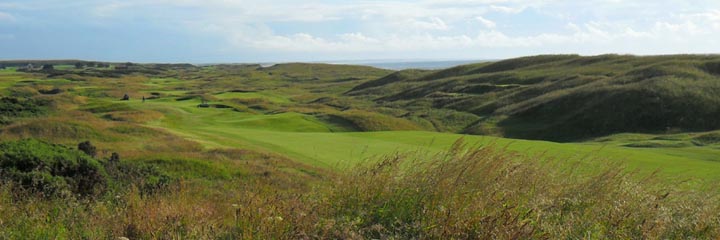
(13, 107)
(88, 148)
(147, 178)
(49, 169)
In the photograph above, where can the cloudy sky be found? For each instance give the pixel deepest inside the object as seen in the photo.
(206, 31)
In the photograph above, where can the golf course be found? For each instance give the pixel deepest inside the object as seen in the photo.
(518, 148)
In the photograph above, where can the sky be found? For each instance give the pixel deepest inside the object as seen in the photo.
(214, 31)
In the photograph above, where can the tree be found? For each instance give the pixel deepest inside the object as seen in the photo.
(47, 67)
(87, 148)
(79, 65)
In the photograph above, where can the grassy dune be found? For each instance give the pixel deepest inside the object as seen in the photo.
(299, 151)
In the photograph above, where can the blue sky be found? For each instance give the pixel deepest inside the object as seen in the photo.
(208, 31)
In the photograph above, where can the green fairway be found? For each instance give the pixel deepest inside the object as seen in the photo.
(304, 138)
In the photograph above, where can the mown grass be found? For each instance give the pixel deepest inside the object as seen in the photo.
(226, 128)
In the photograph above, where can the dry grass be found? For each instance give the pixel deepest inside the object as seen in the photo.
(467, 193)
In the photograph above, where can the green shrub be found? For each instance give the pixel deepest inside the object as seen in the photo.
(147, 178)
(50, 169)
(13, 107)
(88, 148)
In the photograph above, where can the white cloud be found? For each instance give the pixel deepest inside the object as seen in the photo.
(471, 26)
(434, 23)
(603, 35)
(505, 9)
(486, 22)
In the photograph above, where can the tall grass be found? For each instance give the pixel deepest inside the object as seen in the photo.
(465, 193)
(489, 193)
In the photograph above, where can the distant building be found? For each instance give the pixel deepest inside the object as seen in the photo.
(28, 67)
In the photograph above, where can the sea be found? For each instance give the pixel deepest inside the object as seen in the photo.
(428, 65)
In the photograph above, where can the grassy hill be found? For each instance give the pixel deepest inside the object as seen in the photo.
(336, 151)
(566, 97)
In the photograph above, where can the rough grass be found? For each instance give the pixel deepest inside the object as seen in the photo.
(134, 116)
(464, 193)
(56, 129)
(370, 121)
(708, 138)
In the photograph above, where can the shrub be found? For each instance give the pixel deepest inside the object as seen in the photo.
(50, 91)
(13, 107)
(50, 169)
(147, 178)
(88, 148)
(48, 67)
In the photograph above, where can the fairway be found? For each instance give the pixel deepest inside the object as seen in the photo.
(303, 138)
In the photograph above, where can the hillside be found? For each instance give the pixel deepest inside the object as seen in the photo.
(565, 97)
(320, 151)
